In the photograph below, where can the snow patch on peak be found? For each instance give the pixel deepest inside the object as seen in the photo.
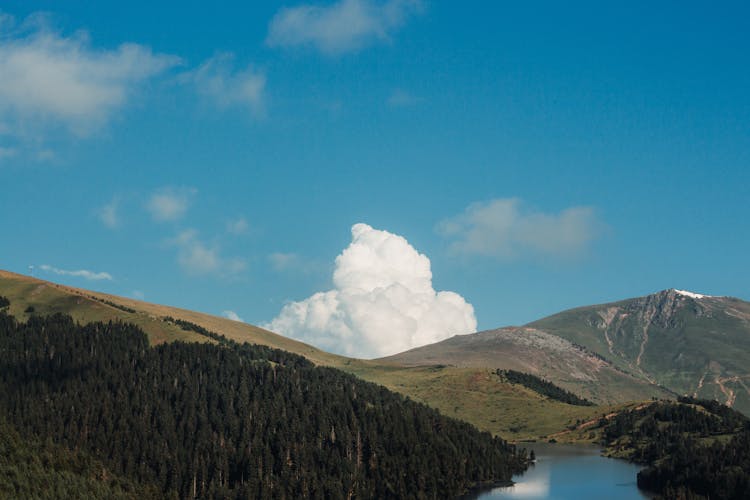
(692, 295)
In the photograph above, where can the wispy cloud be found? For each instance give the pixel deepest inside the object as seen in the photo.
(505, 228)
(237, 226)
(49, 78)
(232, 315)
(197, 257)
(170, 203)
(344, 26)
(81, 273)
(282, 262)
(400, 98)
(217, 81)
(6, 153)
(108, 214)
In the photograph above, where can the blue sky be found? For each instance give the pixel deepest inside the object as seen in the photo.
(542, 156)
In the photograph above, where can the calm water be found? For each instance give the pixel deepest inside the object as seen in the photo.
(575, 472)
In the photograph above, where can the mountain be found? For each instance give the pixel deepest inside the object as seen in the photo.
(477, 395)
(692, 343)
(671, 341)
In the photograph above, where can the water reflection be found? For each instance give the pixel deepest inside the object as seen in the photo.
(571, 472)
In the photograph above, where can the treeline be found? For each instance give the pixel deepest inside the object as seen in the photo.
(543, 387)
(192, 327)
(231, 420)
(694, 448)
(113, 304)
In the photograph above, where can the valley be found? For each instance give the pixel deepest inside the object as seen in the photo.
(514, 382)
(593, 351)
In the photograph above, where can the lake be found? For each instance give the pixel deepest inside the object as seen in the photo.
(571, 472)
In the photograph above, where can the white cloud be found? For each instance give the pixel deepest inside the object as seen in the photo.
(199, 258)
(81, 273)
(232, 315)
(504, 228)
(238, 226)
(382, 302)
(216, 80)
(169, 204)
(137, 294)
(344, 26)
(108, 214)
(50, 78)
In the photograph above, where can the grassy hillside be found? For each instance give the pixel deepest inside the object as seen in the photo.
(481, 397)
(86, 306)
(534, 351)
(472, 394)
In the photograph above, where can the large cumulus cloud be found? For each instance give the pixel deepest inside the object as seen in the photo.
(382, 302)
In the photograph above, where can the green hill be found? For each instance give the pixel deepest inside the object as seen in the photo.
(476, 395)
(232, 420)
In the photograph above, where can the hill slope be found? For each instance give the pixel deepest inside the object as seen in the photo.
(476, 395)
(232, 420)
(86, 306)
(540, 353)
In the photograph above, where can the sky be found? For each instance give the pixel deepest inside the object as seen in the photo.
(368, 176)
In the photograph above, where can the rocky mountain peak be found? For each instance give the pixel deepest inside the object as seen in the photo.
(661, 308)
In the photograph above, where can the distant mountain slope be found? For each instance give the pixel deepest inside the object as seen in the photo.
(540, 353)
(684, 342)
(694, 344)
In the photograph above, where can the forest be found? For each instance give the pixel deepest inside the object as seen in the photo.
(543, 387)
(228, 420)
(694, 449)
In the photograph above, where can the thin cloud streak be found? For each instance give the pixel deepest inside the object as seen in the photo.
(81, 273)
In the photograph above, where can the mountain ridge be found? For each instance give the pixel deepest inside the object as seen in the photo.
(674, 341)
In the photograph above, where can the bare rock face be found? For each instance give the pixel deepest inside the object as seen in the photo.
(660, 309)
